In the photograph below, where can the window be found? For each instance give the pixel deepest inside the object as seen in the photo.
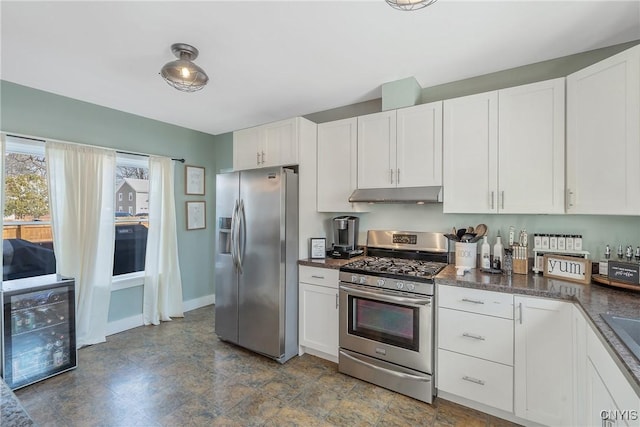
(120, 199)
(27, 247)
(131, 219)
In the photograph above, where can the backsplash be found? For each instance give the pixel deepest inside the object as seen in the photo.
(596, 230)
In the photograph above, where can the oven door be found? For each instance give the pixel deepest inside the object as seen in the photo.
(387, 325)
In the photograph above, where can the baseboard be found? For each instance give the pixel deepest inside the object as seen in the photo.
(131, 322)
(122, 325)
(192, 304)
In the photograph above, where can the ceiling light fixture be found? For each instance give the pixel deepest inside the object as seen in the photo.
(183, 74)
(409, 4)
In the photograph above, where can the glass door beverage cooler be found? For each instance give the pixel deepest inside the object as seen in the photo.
(38, 329)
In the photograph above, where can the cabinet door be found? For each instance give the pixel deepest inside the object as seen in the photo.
(531, 148)
(337, 164)
(376, 150)
(319, 318)
(419, 146)
(470, 141)
(279, 143)
(246, 149)
(603, 137)
(543, 361)
(600, 404)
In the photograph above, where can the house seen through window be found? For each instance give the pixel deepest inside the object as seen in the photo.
(27, 239)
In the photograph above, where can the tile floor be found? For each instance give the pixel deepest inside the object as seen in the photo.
(180, 374)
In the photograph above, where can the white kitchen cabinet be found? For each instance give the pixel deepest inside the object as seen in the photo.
(475, 345)
(470, 141)
(272, 144)
(603, 137)
(419, 145)
(318, 312)
(337, 165)
(543, 361)
(531, 146)
(401, 148)
(504, 150)
(376, 143)
(609, 395)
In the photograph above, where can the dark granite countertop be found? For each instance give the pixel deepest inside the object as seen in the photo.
(331, 263)
(12, 414)
(594, 299)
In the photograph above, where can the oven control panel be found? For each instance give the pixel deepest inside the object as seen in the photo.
(387, 283)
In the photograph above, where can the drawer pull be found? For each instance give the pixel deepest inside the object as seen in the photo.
(474, 301)
(317, 277)
(474, 336)
(473, 380)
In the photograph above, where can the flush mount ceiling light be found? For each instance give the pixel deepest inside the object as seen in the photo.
(183, 74)
(409, 4)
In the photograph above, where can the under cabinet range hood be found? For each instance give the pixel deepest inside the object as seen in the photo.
(419, 195)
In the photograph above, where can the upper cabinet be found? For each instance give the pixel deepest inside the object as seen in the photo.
(504, 150)
(337, 164)
(401, 148)
(273, 144)
(603, 137)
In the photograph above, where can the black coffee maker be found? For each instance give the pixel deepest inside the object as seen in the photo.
(345, 237)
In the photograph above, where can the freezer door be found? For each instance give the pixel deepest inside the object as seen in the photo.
(226, 275)
(262, 285)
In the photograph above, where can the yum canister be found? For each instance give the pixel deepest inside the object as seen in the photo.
(466, 255)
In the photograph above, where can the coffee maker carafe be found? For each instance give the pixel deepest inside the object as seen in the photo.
(345, 237)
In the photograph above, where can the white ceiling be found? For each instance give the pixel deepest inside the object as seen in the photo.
(269, 60)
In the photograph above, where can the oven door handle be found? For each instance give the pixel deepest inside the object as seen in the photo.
(385, 296)
(386, 371)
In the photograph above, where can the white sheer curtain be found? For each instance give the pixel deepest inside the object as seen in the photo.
(162, 281)
(81, 198)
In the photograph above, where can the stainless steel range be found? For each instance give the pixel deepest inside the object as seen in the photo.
(386, 311)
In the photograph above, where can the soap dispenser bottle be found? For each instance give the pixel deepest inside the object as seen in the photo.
(498, 253)
(485, 254)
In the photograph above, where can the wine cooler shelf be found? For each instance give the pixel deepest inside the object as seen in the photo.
(38, 334)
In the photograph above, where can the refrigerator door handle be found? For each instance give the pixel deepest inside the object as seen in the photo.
(234, 235)
(242, 234)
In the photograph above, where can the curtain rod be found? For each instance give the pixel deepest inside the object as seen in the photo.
(117, 151)
(144, 155)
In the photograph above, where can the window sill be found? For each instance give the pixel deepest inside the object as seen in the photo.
(129, 280)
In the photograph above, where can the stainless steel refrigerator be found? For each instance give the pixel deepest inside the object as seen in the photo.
(256, 261)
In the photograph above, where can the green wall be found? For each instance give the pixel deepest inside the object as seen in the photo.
(33, 112)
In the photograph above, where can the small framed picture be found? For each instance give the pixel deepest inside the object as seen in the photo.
(318, 247)
(194, 180)
(196, 215)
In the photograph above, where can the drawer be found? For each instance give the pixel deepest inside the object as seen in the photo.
(486, 337)
(318, 276)
(479, 380)
(475, 301)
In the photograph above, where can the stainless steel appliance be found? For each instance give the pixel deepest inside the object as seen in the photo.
(345, 237)
(256, 261)
(387, 311)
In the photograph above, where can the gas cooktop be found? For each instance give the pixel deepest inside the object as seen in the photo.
(395, 267)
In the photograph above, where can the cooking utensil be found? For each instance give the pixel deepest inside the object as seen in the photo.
(467, 237)
(470, 229)
(460, 233)
(452, 237)
(476, 239)
(481, 230)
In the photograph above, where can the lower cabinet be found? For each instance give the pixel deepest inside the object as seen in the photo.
(543, 361)
(475, 345)
(318, 312)
(537, 360)
(610, 400)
